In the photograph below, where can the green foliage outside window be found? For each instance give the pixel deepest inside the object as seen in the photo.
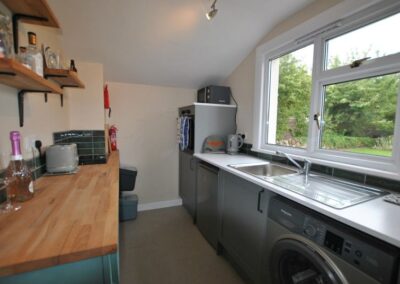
(293, 102)
(359, 115)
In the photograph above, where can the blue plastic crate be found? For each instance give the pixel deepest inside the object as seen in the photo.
(128, 207)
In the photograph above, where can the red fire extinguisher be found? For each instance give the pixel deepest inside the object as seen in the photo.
(113, 137)
(107, 100)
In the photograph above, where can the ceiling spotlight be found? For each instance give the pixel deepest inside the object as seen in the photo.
(213, 11)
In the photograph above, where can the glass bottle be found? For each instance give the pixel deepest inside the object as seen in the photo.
(34, 55)
(19, 176)
(23, 58)
(72, 66)
(6, 35)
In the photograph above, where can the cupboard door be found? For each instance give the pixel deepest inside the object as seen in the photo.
(187, 181)
(244, 216)
(207, 203)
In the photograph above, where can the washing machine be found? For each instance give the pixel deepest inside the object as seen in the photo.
(303, 246)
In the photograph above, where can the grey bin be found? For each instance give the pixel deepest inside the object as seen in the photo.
(128, 207)
(127, 203)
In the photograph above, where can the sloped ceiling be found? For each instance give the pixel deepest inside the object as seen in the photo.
(167, 42)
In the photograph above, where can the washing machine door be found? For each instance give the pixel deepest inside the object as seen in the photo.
(297, 260)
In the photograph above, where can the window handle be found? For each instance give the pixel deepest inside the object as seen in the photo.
(358, 62)
(317, 118)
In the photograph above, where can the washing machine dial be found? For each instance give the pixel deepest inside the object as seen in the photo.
(310, 231)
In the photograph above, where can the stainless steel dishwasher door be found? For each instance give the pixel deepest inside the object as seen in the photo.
(207, 202)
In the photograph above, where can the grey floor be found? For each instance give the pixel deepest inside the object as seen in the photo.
(163, 246)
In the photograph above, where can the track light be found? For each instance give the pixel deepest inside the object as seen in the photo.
(211, 14)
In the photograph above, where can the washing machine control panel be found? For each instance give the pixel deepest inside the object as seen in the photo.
(336, 241)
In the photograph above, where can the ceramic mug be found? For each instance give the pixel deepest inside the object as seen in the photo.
(235, 141)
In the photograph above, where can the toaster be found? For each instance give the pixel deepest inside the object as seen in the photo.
(62, 158)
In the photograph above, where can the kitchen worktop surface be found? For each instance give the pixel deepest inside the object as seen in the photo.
(375, 217)
(70, 218)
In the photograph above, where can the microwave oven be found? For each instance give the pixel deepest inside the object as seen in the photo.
(214, 95)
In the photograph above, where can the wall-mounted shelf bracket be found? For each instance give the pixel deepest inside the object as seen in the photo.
(7, 73)
(21, 96)
(15, 19)
(45, 97)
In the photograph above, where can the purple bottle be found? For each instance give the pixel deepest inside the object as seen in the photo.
(21, 184)
(15, 138)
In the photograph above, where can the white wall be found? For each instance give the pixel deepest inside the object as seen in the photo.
(86, 106)
(146, 119)
(41, 119)
(242, 78)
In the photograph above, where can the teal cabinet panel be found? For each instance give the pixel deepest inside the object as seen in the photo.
(98, 270)
(111, 268)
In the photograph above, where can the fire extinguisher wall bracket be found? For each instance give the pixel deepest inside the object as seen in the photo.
(107, 100)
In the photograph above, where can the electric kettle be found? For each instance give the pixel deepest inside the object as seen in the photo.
(235, 141)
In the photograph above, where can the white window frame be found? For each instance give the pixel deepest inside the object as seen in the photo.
(330, 27)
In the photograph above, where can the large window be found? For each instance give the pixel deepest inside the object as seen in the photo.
(333, 95)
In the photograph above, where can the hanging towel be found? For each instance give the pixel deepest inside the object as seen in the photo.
(178, 130)
(182, 133)
(186, 132)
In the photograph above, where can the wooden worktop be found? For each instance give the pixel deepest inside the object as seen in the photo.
(71, 217)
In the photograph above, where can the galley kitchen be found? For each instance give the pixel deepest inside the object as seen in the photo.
(199, 141)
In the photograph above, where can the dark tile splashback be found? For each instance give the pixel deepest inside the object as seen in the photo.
(339, 173)
(91, 144)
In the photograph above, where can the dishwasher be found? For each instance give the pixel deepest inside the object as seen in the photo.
(207, 202)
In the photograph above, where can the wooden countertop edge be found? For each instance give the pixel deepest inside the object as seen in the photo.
(18, 268)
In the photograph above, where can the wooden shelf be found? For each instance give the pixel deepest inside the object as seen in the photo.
(65, 78)
(14, 74)
(39, 9)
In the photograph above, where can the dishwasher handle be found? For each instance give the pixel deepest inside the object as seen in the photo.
(208, 167)
(192, 161)
(259, 201)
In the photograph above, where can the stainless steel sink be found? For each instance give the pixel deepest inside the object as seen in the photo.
(264, 170)
(332, 192)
